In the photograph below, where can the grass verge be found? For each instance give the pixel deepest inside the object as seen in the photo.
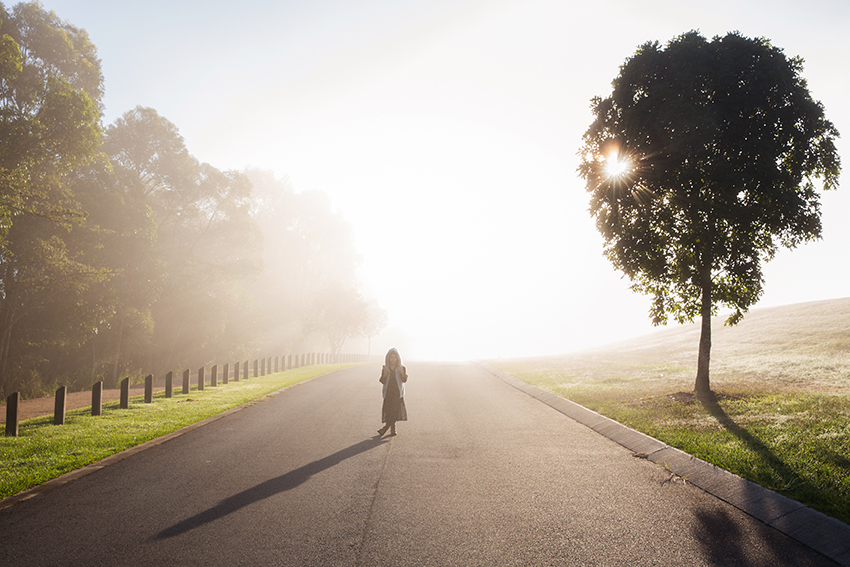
(795, 443)
(43, 451)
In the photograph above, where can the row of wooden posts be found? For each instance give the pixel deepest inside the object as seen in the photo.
(261, 366)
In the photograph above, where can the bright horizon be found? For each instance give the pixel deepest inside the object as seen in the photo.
(446, 134)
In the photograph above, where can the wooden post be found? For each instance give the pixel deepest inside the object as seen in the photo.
(97, 398)
(201, 378)
(169, 384)
(59, 406)
(12, 403)
(125, 393)
(256, 368)
(149, 388)
(263, 367)
(236, 371)
(214, 376)
(225, 373)
(245, 371)
(186, 381)
(276, 360)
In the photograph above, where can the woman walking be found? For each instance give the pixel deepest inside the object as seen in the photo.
(393, 377)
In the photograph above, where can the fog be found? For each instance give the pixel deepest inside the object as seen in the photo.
(445, 133)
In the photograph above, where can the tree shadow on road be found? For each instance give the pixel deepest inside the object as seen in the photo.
(724, 545)
(722, 542)
(269, 488)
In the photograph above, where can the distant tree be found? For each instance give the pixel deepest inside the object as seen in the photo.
(699, 165)
(375, 322)
(337, 314)
(308, 251)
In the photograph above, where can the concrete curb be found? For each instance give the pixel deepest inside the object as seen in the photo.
(820, 532)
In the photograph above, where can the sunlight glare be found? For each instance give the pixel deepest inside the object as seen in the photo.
(616, 167)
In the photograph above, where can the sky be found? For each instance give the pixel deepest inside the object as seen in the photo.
(446, 133)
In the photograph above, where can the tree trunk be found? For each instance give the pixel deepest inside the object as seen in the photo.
(118, 352)
(702, 385)
(8, 321)
(5, 339)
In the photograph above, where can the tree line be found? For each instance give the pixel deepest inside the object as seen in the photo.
(122, 254)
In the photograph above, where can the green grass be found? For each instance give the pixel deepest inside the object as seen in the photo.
(43, 451)
(782, 414)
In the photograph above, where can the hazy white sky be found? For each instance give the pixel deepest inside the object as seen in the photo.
(446, 133)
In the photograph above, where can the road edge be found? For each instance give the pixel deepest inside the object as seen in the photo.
(824, 534)
(116, 457)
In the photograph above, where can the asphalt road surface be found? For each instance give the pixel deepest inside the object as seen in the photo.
(482, 474)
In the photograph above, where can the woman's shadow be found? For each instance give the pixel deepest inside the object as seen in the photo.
(268, 488)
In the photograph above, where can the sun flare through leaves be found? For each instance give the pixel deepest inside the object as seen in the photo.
(617, 166)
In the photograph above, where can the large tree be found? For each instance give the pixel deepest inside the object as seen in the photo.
(50, 90)
(704, 160)
(193, 240)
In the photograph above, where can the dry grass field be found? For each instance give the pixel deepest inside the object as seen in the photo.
(782, 377)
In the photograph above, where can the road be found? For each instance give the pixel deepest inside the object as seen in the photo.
(482, 474)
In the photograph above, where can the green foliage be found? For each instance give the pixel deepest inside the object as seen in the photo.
(186, 248)
(132, 257)
(50, 90)
(724, 145)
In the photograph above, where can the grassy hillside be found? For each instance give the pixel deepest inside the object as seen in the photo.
(801, 347)
(783, 413)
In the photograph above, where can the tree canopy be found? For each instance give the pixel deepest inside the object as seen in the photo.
(706, 157)
(50, 91)
(122, 254)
